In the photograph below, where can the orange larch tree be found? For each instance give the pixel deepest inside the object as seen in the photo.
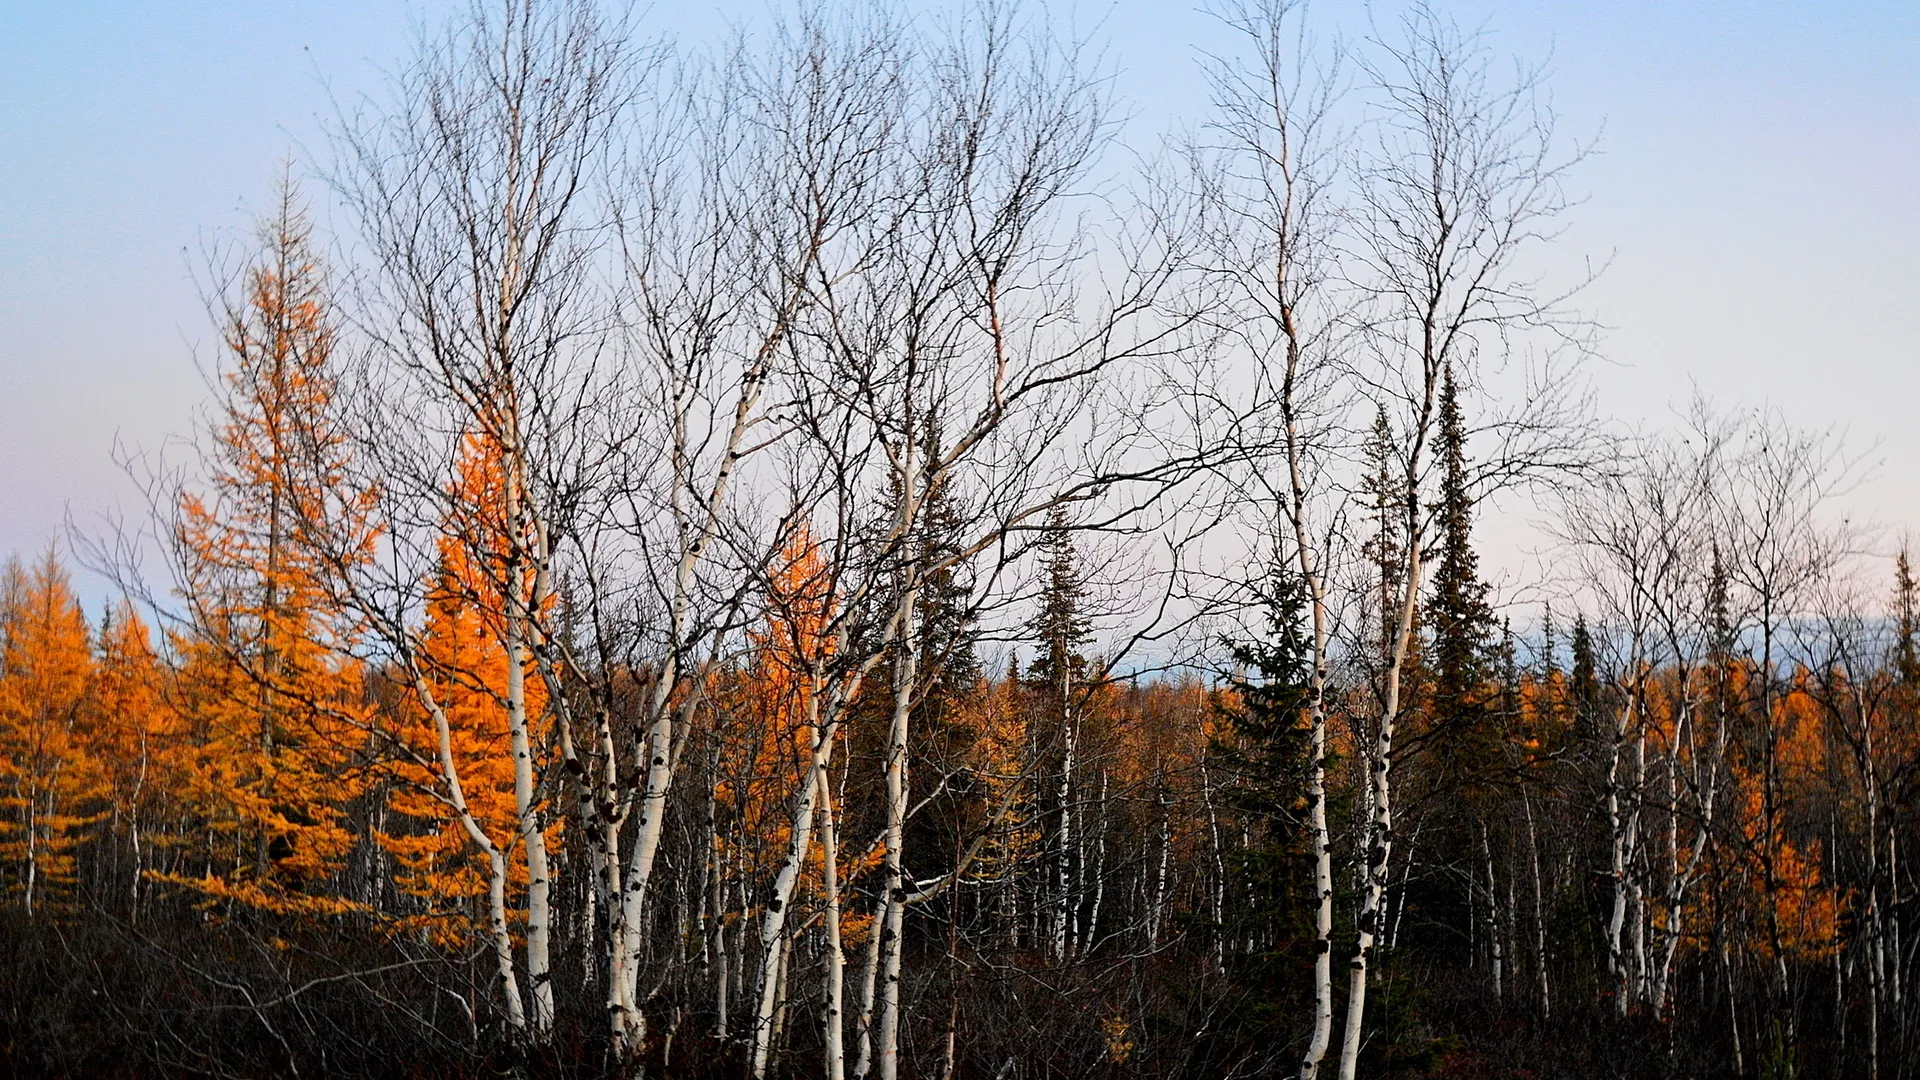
(51, 788)
(474, 741)
(272, 704)
(132, 737)
(463, 654)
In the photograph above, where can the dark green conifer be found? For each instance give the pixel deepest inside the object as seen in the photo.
(1458, 616)
(1060, 627)
(1384, 550)
(1906, 622)
(1264, 746)
(1583, 688)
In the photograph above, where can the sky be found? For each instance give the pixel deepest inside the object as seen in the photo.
(1756, 195)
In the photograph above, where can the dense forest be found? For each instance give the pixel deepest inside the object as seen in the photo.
(787, 559)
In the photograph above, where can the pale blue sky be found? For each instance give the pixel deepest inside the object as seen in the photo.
(1760, 181)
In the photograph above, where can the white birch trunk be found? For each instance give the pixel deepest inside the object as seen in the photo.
(1318, 833)
(1638, 907)
(723, 972)
(1317, 830)
(773, 927)
(1876, 930)
(1896, 999)
(1092, 931)
(1540, 955)
(1157, 912)
(1493, 919)
(1380, 839)
(869, 979)
(891, 945)
(1618, 852)
(1217, 896)
(834, 1005)
(497, 928)
(526, 810)
(782, 970)
(656, 751)
(1063, 869)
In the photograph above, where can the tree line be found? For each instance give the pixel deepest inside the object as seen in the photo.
(783, 559)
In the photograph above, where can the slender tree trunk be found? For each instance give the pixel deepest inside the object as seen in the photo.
(1683, 870)
(774, 939)
(656, 751)
(950, 1046)
(1380, 831)
(1540, 954)
(1733, 1013)
(1895, 979)
(1156, 913)
(527, 812)
(722, 966)
(497, 926)
(1064, 839)
(1406, 875)
(1839, 965)
(1876, 931)
(33, 849)
(1091, 932)
(503, 939)
(869, 980)
(1217, 893)
(834, 1005)
(1618, 853)
(906, 674)
(1493, 919)
(1318, 834)
(782, 971)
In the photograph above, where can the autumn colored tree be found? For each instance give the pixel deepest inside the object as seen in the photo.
(652, 632)
(51, 788)
(464, 656)
(471, 737)
(134, 736)
(272, 706)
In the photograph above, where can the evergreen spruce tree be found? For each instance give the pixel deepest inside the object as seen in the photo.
(1550, 713)
(1722, 649)
(1454, 750)
(1058, 676)
(1264, 744)
(1506, 666)
(1385, 497)
(947, 634)
(1906, 622)
(1459, 618)
(1583, 688)
(946, 723)
(1060, 626)
(948, 662)
(1548, 661)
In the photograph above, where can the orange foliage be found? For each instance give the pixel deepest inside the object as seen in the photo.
(768, 710)
(273, 712)
(133, 733)
(51, 788)
(464, 656)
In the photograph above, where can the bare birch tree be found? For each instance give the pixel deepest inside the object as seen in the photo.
(1464, 179)
(472, 191)
(1265, 169)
